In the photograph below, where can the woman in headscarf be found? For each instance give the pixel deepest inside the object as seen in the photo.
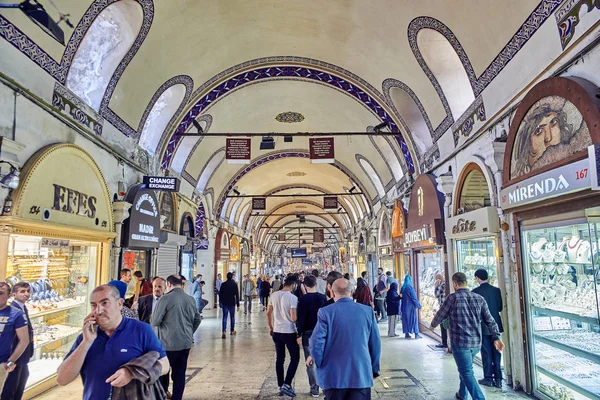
(392, 300)
(362, 294)
(410, 305)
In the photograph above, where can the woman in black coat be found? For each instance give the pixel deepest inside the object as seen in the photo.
(392, 301)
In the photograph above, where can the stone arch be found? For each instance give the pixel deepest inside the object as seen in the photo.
(371, 172)
(209, 169)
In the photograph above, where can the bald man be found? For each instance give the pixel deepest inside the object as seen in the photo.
(345, 375)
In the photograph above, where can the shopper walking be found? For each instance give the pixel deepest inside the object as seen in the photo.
(281, 317)
(363, 294)
(490, 357)
(467, 311)
(276, 284)
(126, 311)
(229, 299)
(392, 300)
(265, 292)
(143, 286)
(175, 319)
(440, 295)
(258, 287)
(14, 387)
(197, 292)
(248, 288)
(126, 277)
(147, 304)
(345, 346)
(321, 284)
(380, 290)
(218, 284)
(308, 307)
(410, 305)
(101, 365)
(300, 288)
(331, 278)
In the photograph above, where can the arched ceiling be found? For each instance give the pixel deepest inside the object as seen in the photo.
(350, 49)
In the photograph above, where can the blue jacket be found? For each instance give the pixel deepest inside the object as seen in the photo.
(345, 346)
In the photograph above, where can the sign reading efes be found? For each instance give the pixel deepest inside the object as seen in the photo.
(566, 179)
(164, 183)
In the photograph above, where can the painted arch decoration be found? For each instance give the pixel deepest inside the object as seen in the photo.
(202, 228)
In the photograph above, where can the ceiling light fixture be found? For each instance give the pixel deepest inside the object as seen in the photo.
(235, 191)
(198, 126)
(379, 127)
(267, 143)
(10, 180)
(352, 189)
(39, 16)
(288, 139)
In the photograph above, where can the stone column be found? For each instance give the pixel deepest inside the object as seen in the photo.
(446, 186)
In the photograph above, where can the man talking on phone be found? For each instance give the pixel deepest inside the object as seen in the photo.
(108, 342)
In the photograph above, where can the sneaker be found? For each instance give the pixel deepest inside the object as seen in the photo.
(418, 337)
(498, 383)
(224, 335)
(314, 393)
(407, 336)
(287, 390)
(233, 333)
(458, 397)
(485, 382)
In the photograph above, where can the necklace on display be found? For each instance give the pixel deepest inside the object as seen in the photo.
(583, 252)
(572, 246)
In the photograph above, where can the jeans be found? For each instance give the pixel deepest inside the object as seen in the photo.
(266, 301)
(312, 370)
(178, 360)
(490, 357)
(15, 383)
(348, 394)
(380, 305)
(463, 356)
(231, 311)
(247, 303)
(283, 340)
(392, 321)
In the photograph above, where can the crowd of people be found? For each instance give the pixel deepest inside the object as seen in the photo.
(139, 334)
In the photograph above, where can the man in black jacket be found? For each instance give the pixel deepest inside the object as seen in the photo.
(230, 298)
(492, 373)
(147, 304)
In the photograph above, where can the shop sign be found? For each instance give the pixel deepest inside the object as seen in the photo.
(385, 251)
(55, 243)
(563, 180)
(594, 157)
(282, 237)
(142, 228)
(398, 244)
(237, 151)
(322, 150)
(164, 183)
(398, 221)
(330, 203)
(259, 204)
(418, 235)
(479, 222)
(318, 235)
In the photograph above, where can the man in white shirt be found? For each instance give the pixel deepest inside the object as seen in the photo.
(281, 317)
(147, 304)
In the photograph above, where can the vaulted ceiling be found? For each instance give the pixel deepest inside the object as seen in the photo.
(234, 65)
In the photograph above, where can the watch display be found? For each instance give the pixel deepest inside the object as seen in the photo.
(560, 264)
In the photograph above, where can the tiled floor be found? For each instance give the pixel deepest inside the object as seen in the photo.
(243, 367)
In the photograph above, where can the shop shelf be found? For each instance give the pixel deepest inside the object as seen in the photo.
(55, 310)
(573, 350)
(58, 339)
(569, 384)
(571, 316)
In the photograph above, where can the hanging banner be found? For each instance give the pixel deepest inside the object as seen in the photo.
(322, 151)
(330, 203)
(259, 204)
(237, 151)
(318, 235)
(282, 237)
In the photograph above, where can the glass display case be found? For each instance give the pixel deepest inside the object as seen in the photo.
(429, 264)
(560, 264)
(61, 274)
(474, 254)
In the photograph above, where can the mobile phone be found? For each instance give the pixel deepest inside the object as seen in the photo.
(92, 328)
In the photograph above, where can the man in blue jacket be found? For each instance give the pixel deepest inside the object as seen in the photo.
(345, 375)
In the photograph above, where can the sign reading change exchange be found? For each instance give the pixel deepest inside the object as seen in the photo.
(164, 183)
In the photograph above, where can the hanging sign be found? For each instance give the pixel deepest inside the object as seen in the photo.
(474, 223)
(318, 235)
(259, 204)
(330, 203)
(322, 151)
(566, 179)
(398, 221)
(282, 237)
(164, 183)
(418, 235)
(142, 228)
(237, 151)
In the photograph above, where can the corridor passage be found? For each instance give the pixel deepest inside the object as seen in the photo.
(243, 367)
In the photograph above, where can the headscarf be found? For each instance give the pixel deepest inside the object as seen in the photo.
(121, 286)
(407, 282)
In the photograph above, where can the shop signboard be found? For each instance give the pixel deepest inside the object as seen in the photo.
(238, 151)
(594, 157)
(163, 183)
(318, 235)
(484, 221)
(259, 204)
(569, 178)
(425, 222)
(330, 203)
(142, 228)
(322, 150)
